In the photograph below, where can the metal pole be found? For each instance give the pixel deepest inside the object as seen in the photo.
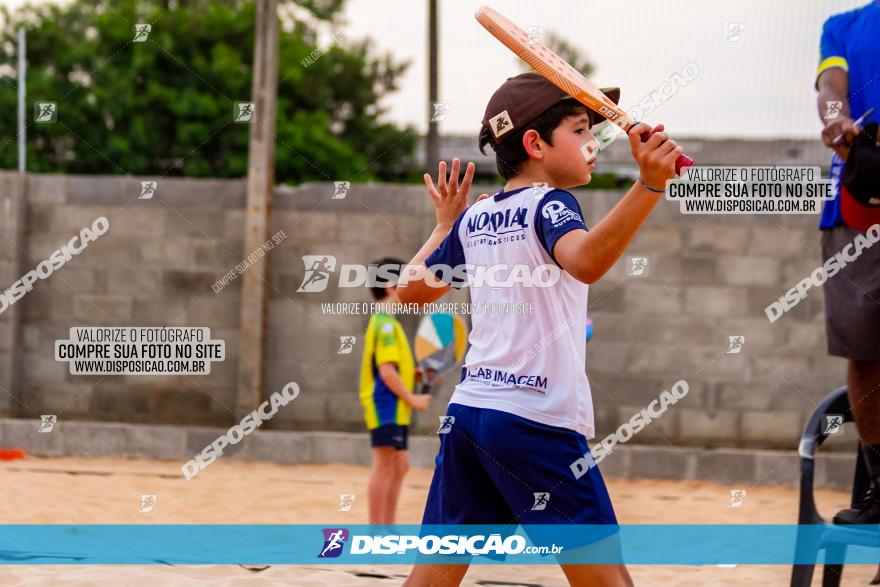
(22, 137)
(432, 146)
(261, 180)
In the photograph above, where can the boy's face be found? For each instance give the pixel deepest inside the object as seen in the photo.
(571, 159)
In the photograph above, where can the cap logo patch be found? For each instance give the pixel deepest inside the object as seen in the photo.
(500, 124)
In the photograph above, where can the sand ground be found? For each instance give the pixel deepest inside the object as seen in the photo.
(92, 491)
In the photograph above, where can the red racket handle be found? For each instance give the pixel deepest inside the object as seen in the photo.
(681, 162)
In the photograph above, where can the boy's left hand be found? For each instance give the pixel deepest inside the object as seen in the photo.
(450, 199)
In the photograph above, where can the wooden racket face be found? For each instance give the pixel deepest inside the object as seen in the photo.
(552, 67)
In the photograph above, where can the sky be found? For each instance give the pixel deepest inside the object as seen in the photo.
(759, 86)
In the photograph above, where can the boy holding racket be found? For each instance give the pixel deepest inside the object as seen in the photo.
(521, 418)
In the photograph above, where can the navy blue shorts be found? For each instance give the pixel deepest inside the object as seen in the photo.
(389, 435)
(497, 468)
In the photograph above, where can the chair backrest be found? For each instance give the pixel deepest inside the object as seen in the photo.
(836, 402)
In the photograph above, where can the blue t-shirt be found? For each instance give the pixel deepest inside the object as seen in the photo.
(851, 41)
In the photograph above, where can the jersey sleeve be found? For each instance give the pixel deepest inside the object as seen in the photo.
(558, 214)
(832, 51)
(387, 346)
(448, 256)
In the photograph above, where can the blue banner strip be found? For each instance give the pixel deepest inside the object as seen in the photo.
(408, 544)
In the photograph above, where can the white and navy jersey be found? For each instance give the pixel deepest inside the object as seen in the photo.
(530, 365)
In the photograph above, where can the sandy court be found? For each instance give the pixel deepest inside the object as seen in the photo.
(93, 491)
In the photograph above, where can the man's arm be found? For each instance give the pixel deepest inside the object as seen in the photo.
(391, 378)
(588, 255)
(833, 85)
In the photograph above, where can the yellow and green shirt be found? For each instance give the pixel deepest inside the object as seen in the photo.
(385, 343)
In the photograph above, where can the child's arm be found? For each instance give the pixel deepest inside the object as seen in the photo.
(417, 285)
(391, 378)
(588, 255)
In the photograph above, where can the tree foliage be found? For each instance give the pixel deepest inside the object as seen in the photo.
(165, 106)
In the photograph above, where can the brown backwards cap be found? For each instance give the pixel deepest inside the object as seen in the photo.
(523, 98)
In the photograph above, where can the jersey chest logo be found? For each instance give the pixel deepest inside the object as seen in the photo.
(498, 222)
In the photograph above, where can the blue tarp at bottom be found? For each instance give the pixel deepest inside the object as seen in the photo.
(407, 544)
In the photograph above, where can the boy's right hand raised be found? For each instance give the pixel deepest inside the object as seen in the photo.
(450, 198)
(656, 156)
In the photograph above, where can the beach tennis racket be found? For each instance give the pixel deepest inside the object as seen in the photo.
(440, 342)
(556, 70)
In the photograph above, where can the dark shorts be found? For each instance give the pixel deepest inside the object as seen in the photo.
(852, 299)
(498, 468)
(389, 435)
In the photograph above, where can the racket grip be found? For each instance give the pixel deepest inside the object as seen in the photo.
(680, 163)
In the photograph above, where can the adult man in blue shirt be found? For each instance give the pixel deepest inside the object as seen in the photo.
(848, 81)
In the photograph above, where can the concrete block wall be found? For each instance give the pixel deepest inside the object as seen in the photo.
(154, 267)
(710, 277)
(12, 249)
(729, 468)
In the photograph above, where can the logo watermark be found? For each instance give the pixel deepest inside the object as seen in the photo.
(662, 93)
(848, 254)
(737, 498)
(265, 412)
(540, 189)
(148, 190)
(317, 274)
(47, 423)
(147, 504)
(141, 32)
(439, 111)
(535, 35)
(334, 540)
(56, 261)
(346, 502)
(636, 266)
(243, 112)
(630, 428)
(45, 112)
(137, 350)
(446, 423)
(734, 32)
(832, 424)
(735, 344)
(832, 109)
(346, 345)
(543, 344)
(319, 52)
(246, 263)
(319, 268)
(542, 498)
(457, 544)
(459, 308)
(340, 189)
(770, 189)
